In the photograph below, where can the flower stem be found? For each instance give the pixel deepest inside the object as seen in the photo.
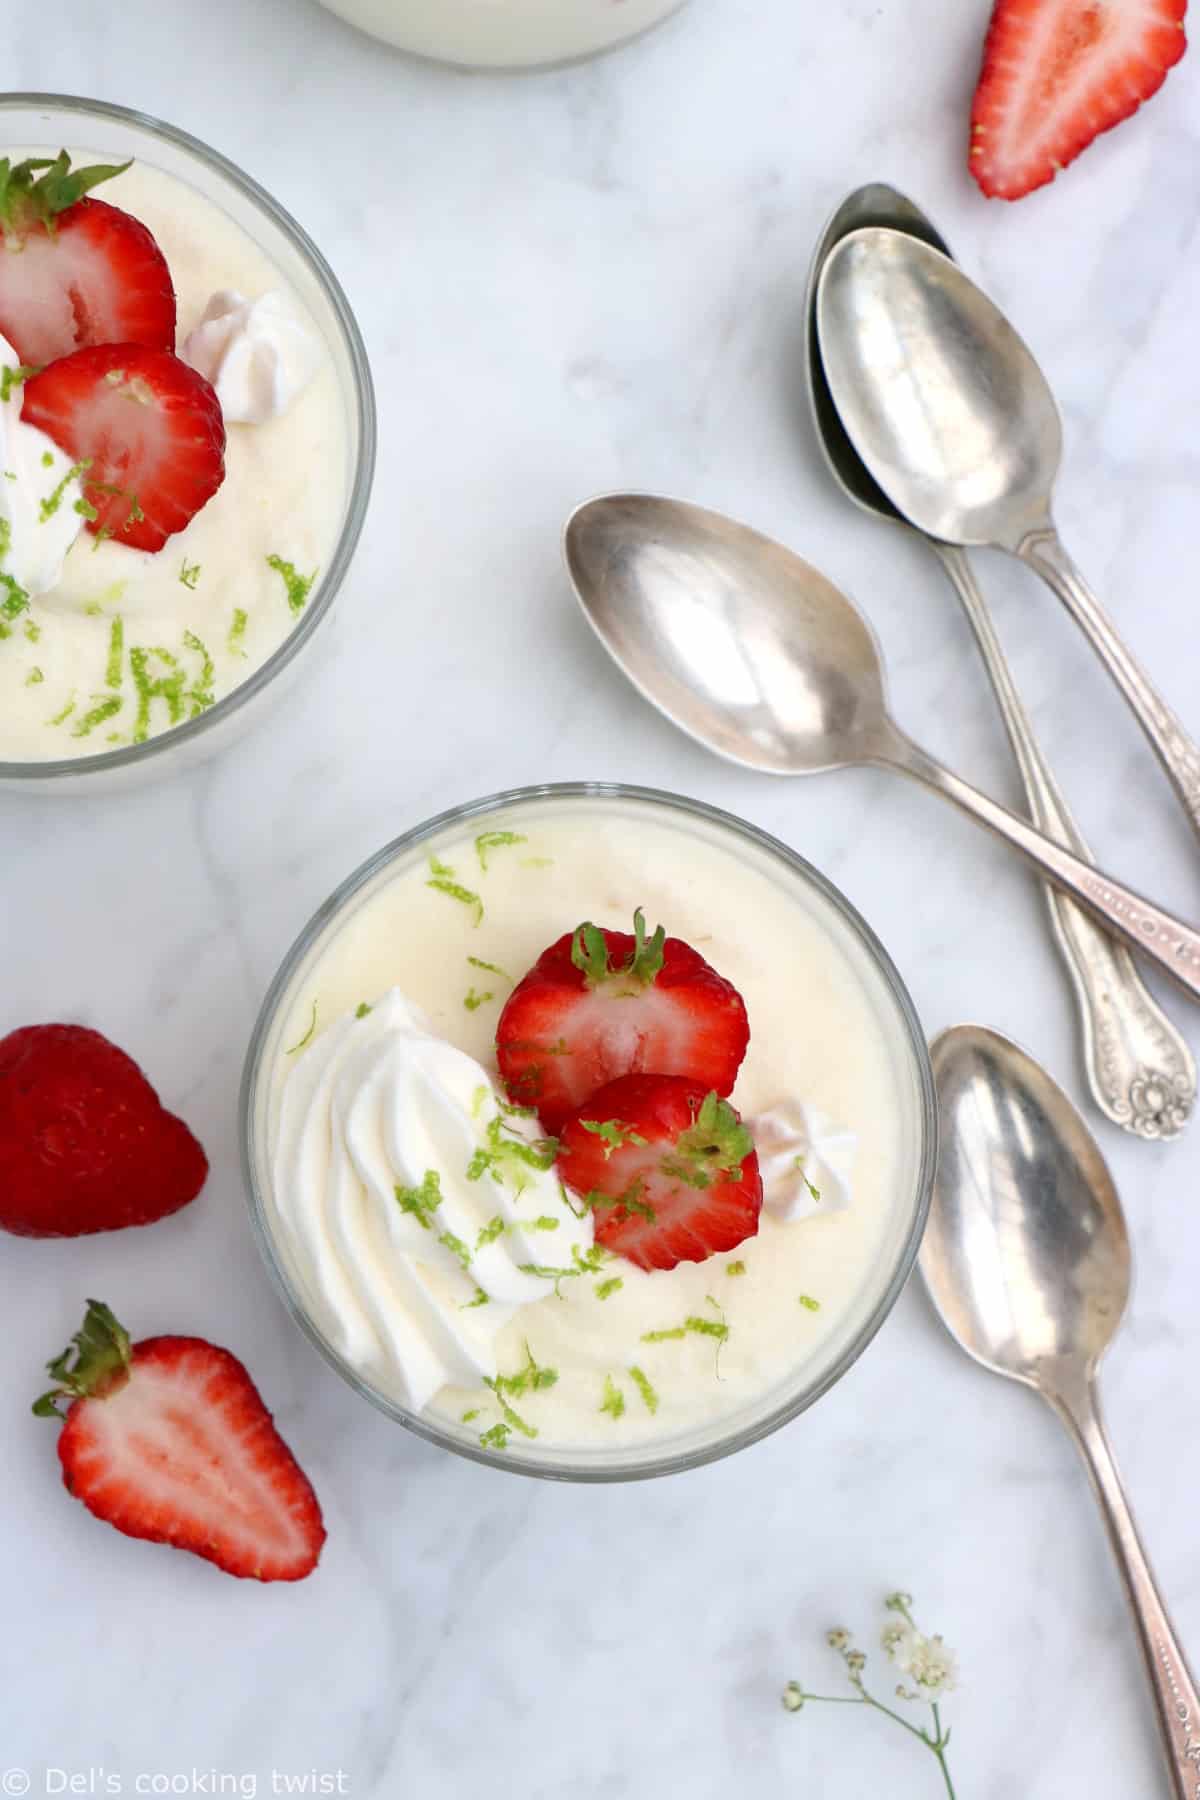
(939, 1750)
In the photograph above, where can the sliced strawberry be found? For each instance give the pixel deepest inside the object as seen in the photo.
(73, 271)
(85, 1143)
(1056, 73)
(147, 430)
(169, 1440)
(598, 1004)
(668, 1169)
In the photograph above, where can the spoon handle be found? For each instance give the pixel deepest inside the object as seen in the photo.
(1170, 943)
(1176, 1701)
(1044, 552)
(1139, 1068)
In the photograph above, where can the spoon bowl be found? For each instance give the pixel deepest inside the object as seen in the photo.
(744, 646)
(876, 204)
(1026, 1255)
(941, 398)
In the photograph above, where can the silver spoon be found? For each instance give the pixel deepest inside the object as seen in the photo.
(1139, 1068)
(752, 652)
(954, 419)
(1026, 1259)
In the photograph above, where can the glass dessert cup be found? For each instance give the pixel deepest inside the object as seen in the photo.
(897, 1034)
(32, 121)
(508, 35)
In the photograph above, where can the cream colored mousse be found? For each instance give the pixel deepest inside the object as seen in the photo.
(102, 645)
(419, 1218)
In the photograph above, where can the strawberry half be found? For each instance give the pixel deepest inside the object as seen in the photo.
(669, 1170)
(85, 1143)
(73, 271)
(1056, 73)
(146, 430)
(169, 1440)
(598, 1004)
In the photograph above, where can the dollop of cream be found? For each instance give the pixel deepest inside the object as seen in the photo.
(404, 1188)
(258, 354)
(806, 1161)
(38, 500)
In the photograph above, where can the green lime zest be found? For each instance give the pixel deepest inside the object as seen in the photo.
(237, 630)
(33, 678)
(361, 1010)
(454, 1245)
(53, 500)
(644, 1387)
(613, 1402)
(308, 1036)
(735, 1268)
(496, 1436)
(477, 962)
(167, 687)
(605, 1289)
(613, 1133)
(116, 653)
(809, 1304)
(104, 709)
(422, 1202)
(189, 575)
(481, 1299)
(471, 1413)
(298, 586)
(506, 1155)
(473, 1001)
(66, 712)
(490, 1232)
(494, 840)
(200, 694)
(11, 376)
(441, 877)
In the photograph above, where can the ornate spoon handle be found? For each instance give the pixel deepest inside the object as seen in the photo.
(1139, 1068)
(1176, 1703)
(1166, 940)
(1044, 552)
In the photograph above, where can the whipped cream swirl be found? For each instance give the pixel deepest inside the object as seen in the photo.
(404, 1189)
(39, 496)
(805, 1160)
(258, 354)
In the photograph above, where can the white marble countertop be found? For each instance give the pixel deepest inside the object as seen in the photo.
(577, 281)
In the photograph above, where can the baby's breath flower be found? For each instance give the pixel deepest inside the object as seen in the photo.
(856, 1662)
(899, 1602)
(932, 1665)
(894, 1637)
(793, 1697)
(838, 1640)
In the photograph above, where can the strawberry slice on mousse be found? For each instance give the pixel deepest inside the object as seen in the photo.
(599, 1004)
(668, 1169)
(145, 432)
(75, 271)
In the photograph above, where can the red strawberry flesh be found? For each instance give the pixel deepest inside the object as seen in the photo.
(1056, 73)
(169, 1440)
(668, 1169)
(149, 429)
(85, 1143)
(599, 1004)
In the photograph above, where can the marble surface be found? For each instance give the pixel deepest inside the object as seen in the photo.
(585, 280)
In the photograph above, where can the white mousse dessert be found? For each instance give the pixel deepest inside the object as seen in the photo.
(418, 1211)
(104, 641)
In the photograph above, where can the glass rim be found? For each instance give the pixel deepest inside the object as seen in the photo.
(733, 1440)
(130, 755)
